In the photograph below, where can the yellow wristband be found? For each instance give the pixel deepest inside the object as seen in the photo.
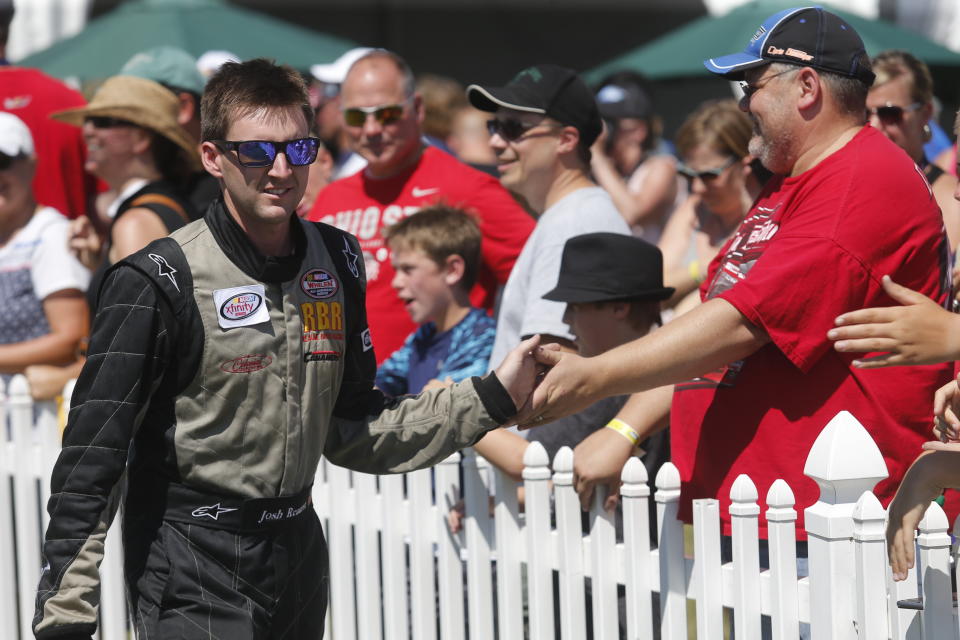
(625, 430)
(694, 270)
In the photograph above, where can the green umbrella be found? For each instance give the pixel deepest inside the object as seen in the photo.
(195, 26)
(681, 52)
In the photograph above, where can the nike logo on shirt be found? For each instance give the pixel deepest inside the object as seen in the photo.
(419, 193)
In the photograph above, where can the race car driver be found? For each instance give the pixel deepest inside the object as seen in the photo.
(224, 360)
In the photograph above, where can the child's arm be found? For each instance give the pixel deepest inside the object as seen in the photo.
(925, 479)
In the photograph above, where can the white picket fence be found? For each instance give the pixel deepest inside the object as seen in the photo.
(397, 572)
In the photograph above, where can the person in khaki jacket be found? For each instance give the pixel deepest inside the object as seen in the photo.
(224, 360)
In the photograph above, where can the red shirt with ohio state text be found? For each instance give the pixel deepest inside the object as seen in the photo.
(363, 206)
(812, 247)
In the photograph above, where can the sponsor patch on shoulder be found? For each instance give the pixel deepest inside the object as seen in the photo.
(319, 284)
(321, 356)
(246, 364)
(241, 306)
(367, 340)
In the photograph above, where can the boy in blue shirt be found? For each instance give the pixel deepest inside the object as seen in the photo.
(436, 254)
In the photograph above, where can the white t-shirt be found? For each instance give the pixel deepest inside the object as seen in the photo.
(35, 263)
(522, 310)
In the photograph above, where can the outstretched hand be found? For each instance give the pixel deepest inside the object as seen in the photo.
(519, 373)
(918, 332)
(568, 387)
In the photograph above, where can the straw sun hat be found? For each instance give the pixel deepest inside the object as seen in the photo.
(141, 102)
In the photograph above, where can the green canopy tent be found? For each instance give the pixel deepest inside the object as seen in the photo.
(675, 60)
(195, 26)
(681, 52)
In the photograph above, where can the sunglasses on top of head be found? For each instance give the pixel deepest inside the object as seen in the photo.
(511, 129)
(891, 113)
(384, 114)
(707, 175)
(262, 153)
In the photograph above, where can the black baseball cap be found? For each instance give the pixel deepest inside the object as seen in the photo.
(554, 91)
(600, 267)
(807, 36)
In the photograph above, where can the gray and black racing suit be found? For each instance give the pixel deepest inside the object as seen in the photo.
(215, 379)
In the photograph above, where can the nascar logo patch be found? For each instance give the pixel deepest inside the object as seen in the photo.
(319, 284)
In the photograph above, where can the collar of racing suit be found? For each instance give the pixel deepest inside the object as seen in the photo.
(237, 246)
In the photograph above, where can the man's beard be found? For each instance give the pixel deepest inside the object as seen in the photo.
(773, 148)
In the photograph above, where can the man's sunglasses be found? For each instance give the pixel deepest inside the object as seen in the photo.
(262, 153)
(512, 130)
(106, 122)
(384, 114)
(707, 175)
(891, 113)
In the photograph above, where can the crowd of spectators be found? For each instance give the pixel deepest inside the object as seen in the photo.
(685, 291)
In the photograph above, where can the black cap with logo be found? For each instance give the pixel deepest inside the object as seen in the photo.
(807, 36)
(554, 91)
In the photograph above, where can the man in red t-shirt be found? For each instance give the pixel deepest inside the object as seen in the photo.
(60, 181)
(755, 376)
(382, 116)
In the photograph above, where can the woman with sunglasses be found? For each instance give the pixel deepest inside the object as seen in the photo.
(900, 104)
(723, 181)
(136, 146)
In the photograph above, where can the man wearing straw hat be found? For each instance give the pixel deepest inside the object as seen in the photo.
(223, 362)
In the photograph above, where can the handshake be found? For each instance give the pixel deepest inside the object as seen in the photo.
(544, 382)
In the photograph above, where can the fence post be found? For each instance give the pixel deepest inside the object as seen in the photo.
(26, 514)
(707, 570)
(842, 479)
(636, 537)
(934, 563)
(782, 539)
(869, 524)
(509, 557)
(367, 555)
(744, 524)
(478, 531)
(536, 475)
(343, 602)
(673, 583)
(449, 566)
(8, 588)
(423, 587)
(573, 617)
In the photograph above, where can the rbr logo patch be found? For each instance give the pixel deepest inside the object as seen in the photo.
(246, 364)
(319, 284)
(241, 306)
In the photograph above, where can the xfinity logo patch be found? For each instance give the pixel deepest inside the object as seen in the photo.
(240, 306)
(213, 511)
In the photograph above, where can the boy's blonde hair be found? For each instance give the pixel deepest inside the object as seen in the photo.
(440, 231)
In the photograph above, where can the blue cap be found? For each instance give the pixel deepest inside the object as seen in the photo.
(807, 36)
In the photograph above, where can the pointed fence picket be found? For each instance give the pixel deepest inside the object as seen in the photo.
(398, 572)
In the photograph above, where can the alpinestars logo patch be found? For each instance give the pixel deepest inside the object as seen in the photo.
(214, 511)
(164, 268)
(351, 259)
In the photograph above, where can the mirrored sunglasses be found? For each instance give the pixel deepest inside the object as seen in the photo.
(891, 113)
(385, 114)
(707, 175)
(512, 130)
(262, 153)
(106, 122)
